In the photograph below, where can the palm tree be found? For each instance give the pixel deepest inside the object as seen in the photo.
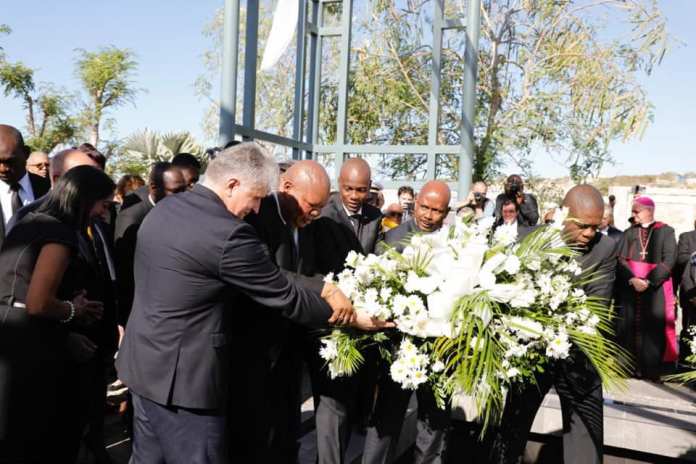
(146, 147)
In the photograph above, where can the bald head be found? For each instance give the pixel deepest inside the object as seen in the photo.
(13, 155)
(354, 183)
(584, 199)
(432, 206)
(65, 160)
(304, 190)
(585, 211)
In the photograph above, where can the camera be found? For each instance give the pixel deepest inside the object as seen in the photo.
(513, 188)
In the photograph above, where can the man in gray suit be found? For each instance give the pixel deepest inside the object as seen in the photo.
(347, 223)
(430, 210)
(194, 256)
(576, 381)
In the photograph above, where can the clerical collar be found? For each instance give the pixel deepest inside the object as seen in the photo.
(647, 226)
(152, 202)
(348, 213)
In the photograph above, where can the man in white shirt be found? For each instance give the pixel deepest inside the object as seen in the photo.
(17, 186)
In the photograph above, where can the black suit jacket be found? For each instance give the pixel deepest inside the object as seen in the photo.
(397, 238)
(601, 257)
(528, 211)
(269, 333)
(193, 263)
(40, 187)
(338, 235)
(686, 246)
(125, 236)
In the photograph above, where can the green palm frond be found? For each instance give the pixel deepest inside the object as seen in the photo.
(683, 378)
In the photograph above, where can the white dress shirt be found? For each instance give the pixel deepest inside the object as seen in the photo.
(26, 196)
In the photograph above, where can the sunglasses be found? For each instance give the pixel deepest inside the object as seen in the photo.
(395, 215)
(40, 165)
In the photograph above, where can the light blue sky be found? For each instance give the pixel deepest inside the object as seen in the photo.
(167, 38)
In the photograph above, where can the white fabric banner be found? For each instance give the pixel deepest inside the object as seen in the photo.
(282, 32)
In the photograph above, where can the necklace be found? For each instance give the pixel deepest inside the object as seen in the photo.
(644, 246)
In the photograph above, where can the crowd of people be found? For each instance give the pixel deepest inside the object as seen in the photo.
(211, 297)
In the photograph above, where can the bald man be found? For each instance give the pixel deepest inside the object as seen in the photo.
(17, 186)
(430, 210)
(272, 379)
(575, 380)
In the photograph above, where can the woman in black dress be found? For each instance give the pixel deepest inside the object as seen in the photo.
(40, 300)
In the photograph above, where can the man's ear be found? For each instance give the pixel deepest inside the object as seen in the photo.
(232, 183)
(286, 184)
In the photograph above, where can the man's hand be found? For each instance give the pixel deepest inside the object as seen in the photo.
(520, 198)
(639, 285)
(343, 313)
(365, 322)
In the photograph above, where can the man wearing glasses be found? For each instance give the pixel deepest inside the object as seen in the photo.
(575, 379)
(38, 164)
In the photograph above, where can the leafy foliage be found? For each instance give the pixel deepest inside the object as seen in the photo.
(48, 120)
(105, 76)
(552, 76)
(142, 149)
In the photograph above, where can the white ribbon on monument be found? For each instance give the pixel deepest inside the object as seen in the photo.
(282, 32)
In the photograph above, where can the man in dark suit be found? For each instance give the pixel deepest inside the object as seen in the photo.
(684, 276)
(164, 180)
(430, 210)
(509, 218)
(527, 210)
(270, 419)
(195, 258)
(347, 223)
(607, 227)
(576, 381)
(18, 187)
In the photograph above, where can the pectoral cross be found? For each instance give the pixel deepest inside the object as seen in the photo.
(643, 254)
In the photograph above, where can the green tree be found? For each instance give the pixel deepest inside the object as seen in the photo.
(106, 78)
(554, 76)
(48, 120)
(144, 148)
(4, 29)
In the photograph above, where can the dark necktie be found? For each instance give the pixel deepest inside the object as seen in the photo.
(14, 197)
(355, 219)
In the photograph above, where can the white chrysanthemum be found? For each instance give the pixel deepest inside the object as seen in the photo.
(512, 372)
(329, 349)
(425, 285)
(438, 366)
(559, 346)
(512, 265)
(525, 298)
(385, 294)
(505, 235)
(533, 263)
(543, 281)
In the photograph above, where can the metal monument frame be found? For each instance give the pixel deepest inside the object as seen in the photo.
(309, 35)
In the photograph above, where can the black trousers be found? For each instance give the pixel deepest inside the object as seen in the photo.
(264, 427)
(338, 403)
(388, 420)
(171, 435)
(580, 390)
